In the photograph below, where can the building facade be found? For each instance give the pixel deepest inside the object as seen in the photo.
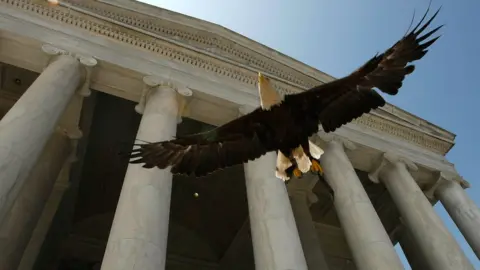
(80, 80)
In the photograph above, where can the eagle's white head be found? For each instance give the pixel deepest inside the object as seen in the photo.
(268, 95)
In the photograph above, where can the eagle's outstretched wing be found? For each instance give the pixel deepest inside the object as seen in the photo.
(338, 102)
(252, 135)
(238, 141)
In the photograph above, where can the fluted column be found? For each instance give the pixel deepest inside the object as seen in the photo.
(25, 129)
(138, 237)
(301, 197)
(449, 189)
(369, 242)
(276, 244)
(439, 247)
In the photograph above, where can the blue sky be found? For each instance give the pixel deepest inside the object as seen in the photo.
(338, 36)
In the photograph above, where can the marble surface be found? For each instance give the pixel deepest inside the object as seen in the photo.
(25, 129)
(138, 237)
(463, 210)
(16, 230)
(313, 251)
(276, 243)
(363, 229)
(436, 243)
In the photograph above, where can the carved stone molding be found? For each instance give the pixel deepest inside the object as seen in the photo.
(52, 52)
(404, 133)
(145, 42)
(446, 178)
(155, 83)
(184, 98)
(171, 52)
(225, 47)
(389, 159)
(86, 61)
(70, 128)
(198, 38)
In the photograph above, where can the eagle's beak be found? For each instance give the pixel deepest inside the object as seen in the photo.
(261, 79)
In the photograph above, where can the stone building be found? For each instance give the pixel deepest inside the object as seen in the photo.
(80, 80)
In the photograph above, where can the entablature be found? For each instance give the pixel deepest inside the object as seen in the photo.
(126, 55)
(223, 42)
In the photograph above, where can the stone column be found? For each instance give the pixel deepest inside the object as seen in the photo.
(450, 190)
(60, 151)
(45, 221)
(276, 244)
(138, 237)
(369, 242)
(439, 247)
(301, 197)
(18, 226)
(25, 129)
(414, 255)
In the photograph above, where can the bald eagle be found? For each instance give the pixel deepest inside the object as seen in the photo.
(286, 125)
(298, 162)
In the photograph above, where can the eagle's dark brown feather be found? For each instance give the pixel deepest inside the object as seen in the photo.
(341, 101)
(289, 124)
(236, 142)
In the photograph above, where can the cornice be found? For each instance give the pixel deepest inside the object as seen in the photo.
(408, 134)
(223, 42)
(199, 39)
(217, 31)
(109, 27)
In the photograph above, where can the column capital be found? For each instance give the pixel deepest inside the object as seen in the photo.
(87, 62)
(389, 158)
(52, 50)
(184, 97)
(53, 53)
(152, 83)
(444, 179)
(330, 137)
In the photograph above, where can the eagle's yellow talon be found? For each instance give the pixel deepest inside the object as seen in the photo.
(316, 167)
(297, 172)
